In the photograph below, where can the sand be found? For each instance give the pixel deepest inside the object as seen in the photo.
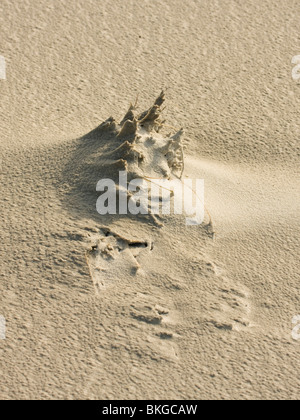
(174, 311)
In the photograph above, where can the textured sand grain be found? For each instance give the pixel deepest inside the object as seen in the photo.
(204, 319)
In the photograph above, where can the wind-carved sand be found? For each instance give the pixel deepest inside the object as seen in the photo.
(137, 148)
(231, 308)
(127, 259)
(140, 149)
(111, 255)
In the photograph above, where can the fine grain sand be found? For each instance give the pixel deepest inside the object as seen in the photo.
(122, 307)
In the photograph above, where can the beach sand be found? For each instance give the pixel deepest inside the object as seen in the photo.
(176, 311)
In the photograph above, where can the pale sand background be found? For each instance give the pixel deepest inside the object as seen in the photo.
(72, 64)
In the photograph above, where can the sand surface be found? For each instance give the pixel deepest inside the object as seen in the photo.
(190, 316)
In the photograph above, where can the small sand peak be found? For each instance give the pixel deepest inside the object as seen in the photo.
(129, 115)
(128, 128)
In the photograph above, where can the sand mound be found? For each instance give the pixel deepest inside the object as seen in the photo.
(136, 146)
